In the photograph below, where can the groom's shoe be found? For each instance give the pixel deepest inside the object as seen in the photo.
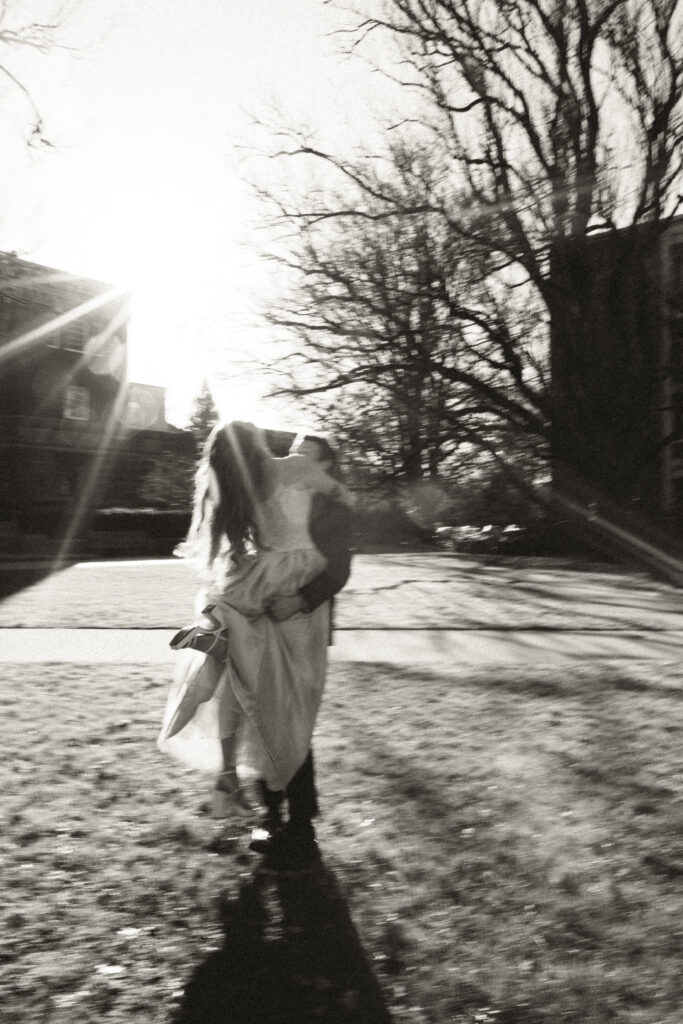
(292, 848)
(266, 833)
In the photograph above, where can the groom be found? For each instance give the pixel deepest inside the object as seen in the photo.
(294, 843)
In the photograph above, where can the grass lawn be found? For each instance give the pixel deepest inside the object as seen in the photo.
(498, 847)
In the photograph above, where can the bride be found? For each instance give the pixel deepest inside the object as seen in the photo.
(249, 535)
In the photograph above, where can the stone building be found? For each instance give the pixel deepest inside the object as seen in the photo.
(73, 431)
(617, 369)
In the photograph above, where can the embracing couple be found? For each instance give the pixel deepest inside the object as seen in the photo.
(272, 536)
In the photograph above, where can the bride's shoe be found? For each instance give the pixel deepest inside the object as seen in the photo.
(184, 637)
(209, 641)
(230, 798)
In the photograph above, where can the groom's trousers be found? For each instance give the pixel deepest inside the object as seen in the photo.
(301, 794)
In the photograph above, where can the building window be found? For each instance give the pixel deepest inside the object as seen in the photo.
(76, 403)
(676, 278)
(677, 415)
(677, 495)
(6, 314)
(73, 336)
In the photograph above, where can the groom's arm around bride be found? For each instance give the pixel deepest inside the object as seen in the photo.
(330, 529)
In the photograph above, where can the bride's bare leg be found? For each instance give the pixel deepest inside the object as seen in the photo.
(229, 720)
(229, 798)
(229, 748)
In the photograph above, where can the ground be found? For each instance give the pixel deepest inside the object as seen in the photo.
(500, 843)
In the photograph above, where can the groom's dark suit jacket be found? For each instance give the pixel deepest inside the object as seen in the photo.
(330, 528)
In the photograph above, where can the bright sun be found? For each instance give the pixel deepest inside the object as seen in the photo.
(173, 232)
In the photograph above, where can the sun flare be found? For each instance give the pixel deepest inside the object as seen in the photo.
(175, 236)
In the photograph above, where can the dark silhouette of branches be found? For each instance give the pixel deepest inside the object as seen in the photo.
(426, 272)
(40, 30)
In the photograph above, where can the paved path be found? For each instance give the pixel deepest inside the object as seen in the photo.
(403, 647)
(403, 609)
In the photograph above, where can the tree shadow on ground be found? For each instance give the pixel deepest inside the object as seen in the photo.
(610, 760)
(16, 577)
(290, 955)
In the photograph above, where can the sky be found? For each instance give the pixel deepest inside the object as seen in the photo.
(150, 120)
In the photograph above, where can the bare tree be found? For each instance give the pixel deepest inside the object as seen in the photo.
(37, 28)
(368, 307)
(539, 123)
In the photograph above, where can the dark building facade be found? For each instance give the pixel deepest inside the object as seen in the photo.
(617, 369)
(73, 431)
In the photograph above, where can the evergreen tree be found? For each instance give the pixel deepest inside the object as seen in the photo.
(204, 416)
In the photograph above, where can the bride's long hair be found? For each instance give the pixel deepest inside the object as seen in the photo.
(232, 476)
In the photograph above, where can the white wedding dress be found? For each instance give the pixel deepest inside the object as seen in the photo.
(275, 671)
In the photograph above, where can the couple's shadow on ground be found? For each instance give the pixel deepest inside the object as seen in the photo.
(290, 955)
